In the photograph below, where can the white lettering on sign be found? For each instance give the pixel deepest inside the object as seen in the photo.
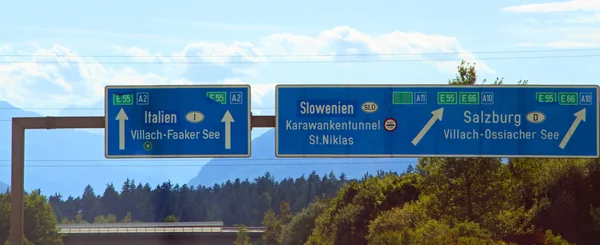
(182, 135)
(326, 139)
(326, 109)
(323, 128)
(171, 134)
(159, 117)
(548, 135)
(331, 125)
(456, 134)
(508, 135)
(492, 118)
(211, 135)
(141, 134)
(490, 134)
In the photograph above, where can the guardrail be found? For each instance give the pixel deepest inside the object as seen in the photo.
(144, 224)
(122, 230)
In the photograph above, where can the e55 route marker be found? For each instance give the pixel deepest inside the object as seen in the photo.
(529, 121)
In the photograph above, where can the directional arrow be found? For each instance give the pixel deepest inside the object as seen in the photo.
(122, 117)
(579, 116)
(227, 119)
(437, 115)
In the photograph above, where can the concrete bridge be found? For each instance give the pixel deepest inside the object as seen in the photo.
(163, 233)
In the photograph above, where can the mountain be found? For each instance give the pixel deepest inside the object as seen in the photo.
(3, 187)
(65, 161)
(263, 159)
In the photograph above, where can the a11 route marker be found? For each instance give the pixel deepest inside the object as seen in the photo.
(177, 121)
(437, 121)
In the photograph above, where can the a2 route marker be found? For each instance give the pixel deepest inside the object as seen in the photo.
(437, 121)
(177, 121)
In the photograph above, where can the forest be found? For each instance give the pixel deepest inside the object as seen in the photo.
(237, 202)
(456, 201)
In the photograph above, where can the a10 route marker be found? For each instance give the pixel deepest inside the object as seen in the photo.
(437, 121)
(177, 121)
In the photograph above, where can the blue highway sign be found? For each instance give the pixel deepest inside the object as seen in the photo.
(436, 121)
(177, 121)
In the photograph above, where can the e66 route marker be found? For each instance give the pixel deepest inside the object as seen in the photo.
(195, 121)
(529, 121)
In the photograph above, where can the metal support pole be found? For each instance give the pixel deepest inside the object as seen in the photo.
(17, 188)
(20, 124)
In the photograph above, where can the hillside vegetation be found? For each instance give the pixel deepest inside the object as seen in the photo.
(455, 201)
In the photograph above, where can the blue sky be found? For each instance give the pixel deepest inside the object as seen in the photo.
(79, 31)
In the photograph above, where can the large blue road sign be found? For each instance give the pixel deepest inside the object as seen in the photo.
(436, 121)
(177, 121)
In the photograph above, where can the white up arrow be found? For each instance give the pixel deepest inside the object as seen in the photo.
(122, 117)
(437, 115)
(579, 116)
(227, 119)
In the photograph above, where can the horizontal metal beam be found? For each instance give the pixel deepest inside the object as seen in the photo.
(263, 121)
(59, 122)
(98, 122)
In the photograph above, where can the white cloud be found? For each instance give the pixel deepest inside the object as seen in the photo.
(528, 44)
(586, 19)
(565, 37)
(564, 6)
(391, 46)
(233, 27)
(140, 54)
(570, 44)
(58, 77)
(566, 30)
(337, 44)
(219, 53)
(70, 79)
(104, 34)
(579, 12)
(203, 61)
(5, 48)
(259, 91)
(561, 44)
